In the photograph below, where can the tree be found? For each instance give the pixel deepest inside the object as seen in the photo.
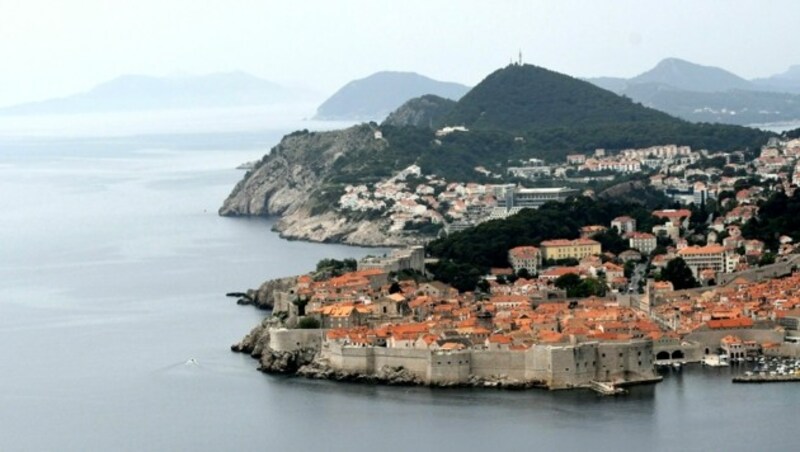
(524, 273)
(483, 285)
(766, 259)
(394, 288)
(580, 288)
(679, 274)
(591, 287)
(567, 281)
(308, 323)
(610, 240)
(628, 268)
(462, 276)
(333, 267)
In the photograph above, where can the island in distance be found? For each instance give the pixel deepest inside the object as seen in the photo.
(374, 97)
(129, 93)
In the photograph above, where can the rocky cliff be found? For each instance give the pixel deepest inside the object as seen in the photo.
(300, 181)
(256, 344)
(264, 296)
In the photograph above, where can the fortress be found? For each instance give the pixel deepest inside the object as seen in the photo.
(555, 366)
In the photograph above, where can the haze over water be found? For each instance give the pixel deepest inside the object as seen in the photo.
(113, 269)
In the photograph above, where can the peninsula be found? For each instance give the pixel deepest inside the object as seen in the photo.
(433, 163)
(538, 244)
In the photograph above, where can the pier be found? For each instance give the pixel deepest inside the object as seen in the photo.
(766, 378)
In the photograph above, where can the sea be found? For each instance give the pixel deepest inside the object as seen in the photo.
(115, 329)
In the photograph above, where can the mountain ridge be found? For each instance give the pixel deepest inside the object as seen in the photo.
(690, 76)
(135, 92)
(372, 98)
(701, 93)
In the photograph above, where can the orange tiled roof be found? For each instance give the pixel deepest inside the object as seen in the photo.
(524, 252)
(741, 322)
(679, 213)
(566, 242)
(708, 249)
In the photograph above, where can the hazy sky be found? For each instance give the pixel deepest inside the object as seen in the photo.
(57, 47)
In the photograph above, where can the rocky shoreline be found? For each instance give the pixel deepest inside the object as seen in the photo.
(290, 183)
(264, 296)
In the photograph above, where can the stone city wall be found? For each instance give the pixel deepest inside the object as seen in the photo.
(368, 360)
(775, 270)
(784, 350)
(289, 340)
(494, 363)
(559, 366)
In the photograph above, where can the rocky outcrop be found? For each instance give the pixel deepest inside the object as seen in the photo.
(256, 344)
(299, 182)
(285, 362)
(395, 376)
(332, 227)
(264, 296)
(256, 341)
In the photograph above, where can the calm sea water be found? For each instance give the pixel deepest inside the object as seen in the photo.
(113, 266)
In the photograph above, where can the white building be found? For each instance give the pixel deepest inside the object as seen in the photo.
(700, 258)
(642, 241)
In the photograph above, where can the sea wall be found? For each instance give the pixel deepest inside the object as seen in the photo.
(290, 340)
(495, 363)
(557, 366)
(369, 360)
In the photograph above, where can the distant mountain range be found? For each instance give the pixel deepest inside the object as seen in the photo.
(374, 97)
(142, 92)
(710, 94)
(788, 81)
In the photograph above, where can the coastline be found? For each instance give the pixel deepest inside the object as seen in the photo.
(304, 353)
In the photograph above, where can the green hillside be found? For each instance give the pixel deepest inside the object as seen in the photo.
(557, 114)
(524, 112)
(464, 256)
(424, 111)
(524, 98)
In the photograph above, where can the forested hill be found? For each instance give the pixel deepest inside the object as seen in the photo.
(555, 114)
(467, 255)
(521, 98)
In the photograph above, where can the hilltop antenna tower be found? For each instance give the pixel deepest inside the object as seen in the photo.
(520, 57)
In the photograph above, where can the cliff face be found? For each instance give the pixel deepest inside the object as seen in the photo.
(294, 181)
(264, 296)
